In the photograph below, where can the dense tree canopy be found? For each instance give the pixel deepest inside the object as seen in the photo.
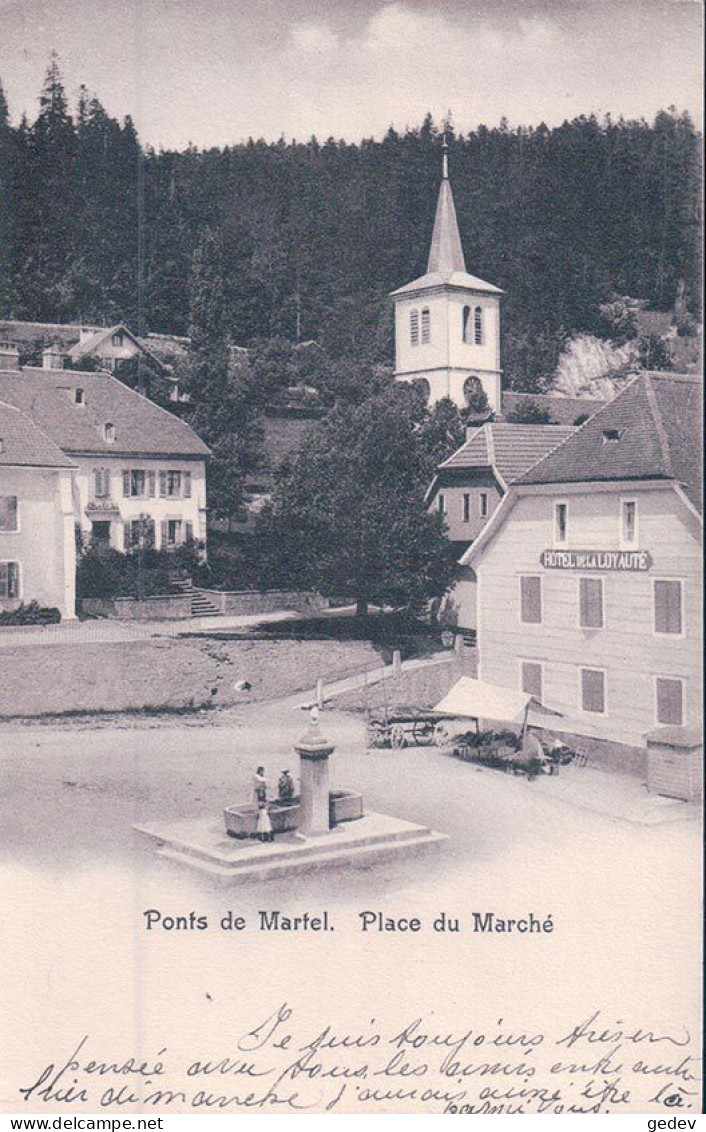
(310, 237)
(348, 518)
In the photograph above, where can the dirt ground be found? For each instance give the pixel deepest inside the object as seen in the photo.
(168, 672)
(624, 900)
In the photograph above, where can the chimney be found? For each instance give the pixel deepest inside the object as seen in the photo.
(9, 355)
(53, 357)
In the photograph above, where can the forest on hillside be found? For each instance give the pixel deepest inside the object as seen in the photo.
(304, 240)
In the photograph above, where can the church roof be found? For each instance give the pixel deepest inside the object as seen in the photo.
(459, 279)
(446, 265)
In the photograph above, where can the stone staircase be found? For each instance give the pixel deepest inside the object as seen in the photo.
(201, 606)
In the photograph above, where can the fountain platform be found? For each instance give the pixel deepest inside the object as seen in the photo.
(203, 844)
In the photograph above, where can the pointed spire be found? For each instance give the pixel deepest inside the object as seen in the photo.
(445, 253)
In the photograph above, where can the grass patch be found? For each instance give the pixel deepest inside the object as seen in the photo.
(93, 713)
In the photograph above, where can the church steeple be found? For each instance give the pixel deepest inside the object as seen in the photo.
(447, 322)
(446, 252)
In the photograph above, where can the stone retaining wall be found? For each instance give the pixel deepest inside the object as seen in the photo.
(161, 607)
(269, 601)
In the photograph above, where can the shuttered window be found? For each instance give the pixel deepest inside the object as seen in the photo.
(668, 600)
(670, 701)
(8, 513)
(593, 690)
(102, 483)
(628, 523)
(531, 600)
(9, 579)
(561, 523)
(414, 328)
(426, 325)
(532, 679)
(478, 326)
(591, 603)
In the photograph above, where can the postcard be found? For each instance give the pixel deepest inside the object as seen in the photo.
(350, 558)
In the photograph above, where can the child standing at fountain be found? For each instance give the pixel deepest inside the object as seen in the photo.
(264, 825)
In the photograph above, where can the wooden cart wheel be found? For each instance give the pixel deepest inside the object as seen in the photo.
(398, 738)
(442, 735)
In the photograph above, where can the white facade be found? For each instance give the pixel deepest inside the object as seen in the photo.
(630, 668)
(112, 491)
(37, 544)
(451, 351)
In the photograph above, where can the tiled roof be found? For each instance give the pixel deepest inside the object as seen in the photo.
(22, 443)
(141, 427)
(562, 410)
(652, 430)
(510, 449)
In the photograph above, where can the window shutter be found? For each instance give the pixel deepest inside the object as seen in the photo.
(127, 539)
(106, 481)
(670, 708)
(162, 484)
(13, 579)
(531, 600)
(97, 482)
(189, 531)
(591, 603)
(151, 484)
(163, 530)
(186, 479)
(126, 483)
(668, 607)
(532, 679)
(593, 690)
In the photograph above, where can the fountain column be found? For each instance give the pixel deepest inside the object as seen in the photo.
(314, 751)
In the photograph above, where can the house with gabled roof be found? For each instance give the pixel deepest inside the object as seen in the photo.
(137, 467)
(469, 485)
(73, 344)
(589, 574)
(37, 544)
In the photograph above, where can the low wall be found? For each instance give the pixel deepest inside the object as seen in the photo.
(606, 755)
(269, 601)
(161, 607)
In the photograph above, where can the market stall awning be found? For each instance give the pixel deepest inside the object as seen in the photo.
(476, 699)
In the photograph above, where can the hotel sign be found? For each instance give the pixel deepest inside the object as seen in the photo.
(625, 561)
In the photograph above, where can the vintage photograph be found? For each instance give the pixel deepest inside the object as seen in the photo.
(351, 373)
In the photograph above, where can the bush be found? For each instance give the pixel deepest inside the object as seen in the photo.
(104, 572)
(31, 614)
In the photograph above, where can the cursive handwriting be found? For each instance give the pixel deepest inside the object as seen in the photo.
(599, 1064)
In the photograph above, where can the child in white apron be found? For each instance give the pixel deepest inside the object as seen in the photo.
(264, 825)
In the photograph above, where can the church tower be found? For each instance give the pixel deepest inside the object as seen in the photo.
(447, 322)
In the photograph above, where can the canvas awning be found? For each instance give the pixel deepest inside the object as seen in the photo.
(476, 699)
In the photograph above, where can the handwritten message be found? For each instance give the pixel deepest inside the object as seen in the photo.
(596, 1065)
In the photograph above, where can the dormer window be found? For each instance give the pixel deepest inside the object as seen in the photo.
(109, 433)
(414, 328)
(612, 435)
(426, 325)
(79, 397)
